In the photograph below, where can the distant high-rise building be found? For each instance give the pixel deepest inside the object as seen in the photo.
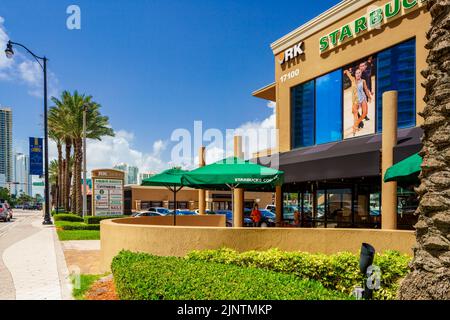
(6, 157)
(131, 172)
(123, 167)
(133, 175)
(146, 175)
(2, 181)
(22, 182)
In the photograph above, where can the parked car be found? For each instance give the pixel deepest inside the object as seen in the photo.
(4, 213)
(146, 214)
(184, 212)
(207, 211)
(229, 218)
(8, 208)
(163, 211)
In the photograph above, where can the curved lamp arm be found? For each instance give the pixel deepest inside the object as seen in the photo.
(30, 52)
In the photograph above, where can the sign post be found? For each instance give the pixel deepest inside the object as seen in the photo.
(107, 192)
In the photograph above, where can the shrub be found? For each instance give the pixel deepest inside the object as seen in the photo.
(338, 271)
(68, 217)
(96, 219)
(66, 225)
(140, 276)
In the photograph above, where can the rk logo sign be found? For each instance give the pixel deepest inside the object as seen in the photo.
(291, 53)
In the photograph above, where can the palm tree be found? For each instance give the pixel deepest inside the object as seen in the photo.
(53, 176)
(56, 135)
(430, 275)
(97, 126)
(61, 123)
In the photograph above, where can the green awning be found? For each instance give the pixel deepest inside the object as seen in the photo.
(233, 172)
(407, 170)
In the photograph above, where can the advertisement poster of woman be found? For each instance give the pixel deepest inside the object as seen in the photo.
(359, 98)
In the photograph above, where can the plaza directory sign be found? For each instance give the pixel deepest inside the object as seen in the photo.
(107, 192)
(36, 159)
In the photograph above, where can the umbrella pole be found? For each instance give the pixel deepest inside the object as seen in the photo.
(175, 205)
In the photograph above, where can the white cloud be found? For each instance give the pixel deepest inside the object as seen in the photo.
(118, 149)
(256, 136)
(24, 69)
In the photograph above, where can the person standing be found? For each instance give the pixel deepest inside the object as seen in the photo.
(256, 216)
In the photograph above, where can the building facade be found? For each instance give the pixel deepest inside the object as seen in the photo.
(6, 156)
(330, 78)
(133, 175)
(22, 181)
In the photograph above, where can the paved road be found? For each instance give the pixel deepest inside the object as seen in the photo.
(32, 264)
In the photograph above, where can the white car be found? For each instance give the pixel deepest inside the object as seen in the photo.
(146, 214)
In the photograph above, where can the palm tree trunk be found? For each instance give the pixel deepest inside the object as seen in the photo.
(77, 163)
(430, 274)
(60, 173)
(67, 175)
(74, 188)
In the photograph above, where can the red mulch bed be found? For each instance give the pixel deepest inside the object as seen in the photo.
(102, 289)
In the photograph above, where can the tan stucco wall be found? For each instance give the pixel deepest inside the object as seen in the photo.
(178, 241)
(161, 194)
(312, 64)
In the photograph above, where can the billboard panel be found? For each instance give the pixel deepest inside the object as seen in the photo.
(359, 81)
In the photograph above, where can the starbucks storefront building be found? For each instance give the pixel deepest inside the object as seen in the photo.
(339, 123)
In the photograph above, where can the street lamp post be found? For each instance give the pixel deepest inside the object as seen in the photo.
(9, 54)
(85, 106)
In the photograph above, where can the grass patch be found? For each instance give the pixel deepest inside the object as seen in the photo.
(82, 283)
(65, 235)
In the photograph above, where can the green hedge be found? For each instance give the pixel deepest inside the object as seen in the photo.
(337, 272)
(140, 276)
(96, 219)
(68, 217)
(66, 225)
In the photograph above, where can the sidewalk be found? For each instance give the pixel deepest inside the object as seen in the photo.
(36, 263)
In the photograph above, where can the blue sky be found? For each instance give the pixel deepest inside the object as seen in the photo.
(153, 65)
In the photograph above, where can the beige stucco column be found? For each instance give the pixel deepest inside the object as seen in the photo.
(201, 192)
(278, 206)
(389, 140)
(238, 194)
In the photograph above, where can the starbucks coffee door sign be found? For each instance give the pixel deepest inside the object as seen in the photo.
(107, 191)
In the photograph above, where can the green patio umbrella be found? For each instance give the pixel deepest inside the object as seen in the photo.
(406, 170)
(171, 179)
(231, 173)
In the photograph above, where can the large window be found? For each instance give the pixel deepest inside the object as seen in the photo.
(303, 115)
(397, 71)
(348, 102)
(328, 107)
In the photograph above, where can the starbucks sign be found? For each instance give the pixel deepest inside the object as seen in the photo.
(374, 19)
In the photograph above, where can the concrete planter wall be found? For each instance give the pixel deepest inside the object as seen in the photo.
(166, 240)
